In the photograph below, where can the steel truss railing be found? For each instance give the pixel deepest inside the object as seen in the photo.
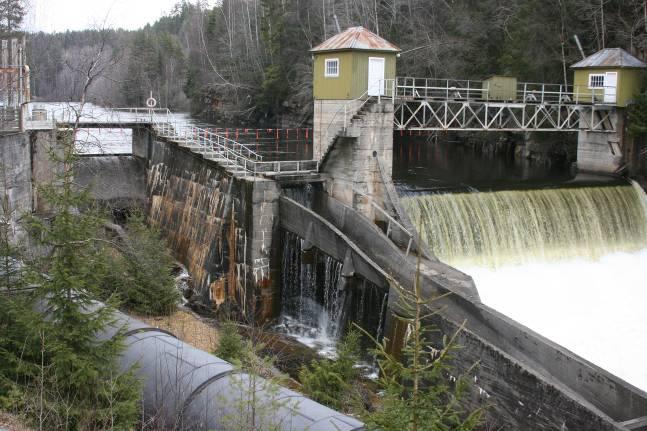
(443, 104)
(501, 116)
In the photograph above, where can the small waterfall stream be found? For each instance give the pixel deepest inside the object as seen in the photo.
(318, 303)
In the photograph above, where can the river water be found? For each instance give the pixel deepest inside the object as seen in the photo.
(565, 257)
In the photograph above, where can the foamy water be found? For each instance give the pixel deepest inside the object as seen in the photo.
(595, 308)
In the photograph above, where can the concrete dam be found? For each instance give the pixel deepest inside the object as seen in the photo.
(309, 246)
(284, 250)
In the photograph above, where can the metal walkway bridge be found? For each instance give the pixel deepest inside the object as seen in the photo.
(446, 104)
(237, 158)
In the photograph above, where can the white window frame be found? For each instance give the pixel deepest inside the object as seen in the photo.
(596, 75)
(328, 61)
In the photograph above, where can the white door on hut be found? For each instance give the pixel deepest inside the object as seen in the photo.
(376, 76)
(610, 84)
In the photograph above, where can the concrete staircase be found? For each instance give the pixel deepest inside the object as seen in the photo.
(351, 131)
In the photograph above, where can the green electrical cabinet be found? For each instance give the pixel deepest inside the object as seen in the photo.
(499, 87)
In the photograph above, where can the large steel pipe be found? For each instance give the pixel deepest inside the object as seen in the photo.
(185, 388)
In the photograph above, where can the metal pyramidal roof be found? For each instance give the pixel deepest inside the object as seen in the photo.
(610, 57)
(356, 38)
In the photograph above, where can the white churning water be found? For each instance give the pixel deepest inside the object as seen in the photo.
(569, 263)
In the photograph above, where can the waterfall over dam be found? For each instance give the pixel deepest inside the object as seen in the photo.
(517, 226)
(569, 263)
(319, 300)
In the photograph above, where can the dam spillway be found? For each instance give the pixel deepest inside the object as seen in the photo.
(516, 226)
(320, 300)
(569, 263)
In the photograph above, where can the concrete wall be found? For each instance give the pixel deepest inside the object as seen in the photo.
(602, 152)
(351, 165)
(43, 143)
(142, 142)
(117, 181)
(15, 179)
(531, 382)
(220, 227)
(320, 232)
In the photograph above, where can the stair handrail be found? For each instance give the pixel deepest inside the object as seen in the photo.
(231, 150)
(180, 131)
(345, 109)
(243, 149)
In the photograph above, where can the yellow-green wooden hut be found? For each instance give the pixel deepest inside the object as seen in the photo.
(611, 76)
(352, 63)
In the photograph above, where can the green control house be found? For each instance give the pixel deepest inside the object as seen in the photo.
(347, 68)
(612, 76)
(351, 64)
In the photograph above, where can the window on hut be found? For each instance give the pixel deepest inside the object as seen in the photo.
(596, 80)
(332, 68)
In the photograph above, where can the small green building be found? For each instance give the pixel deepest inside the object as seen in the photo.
(352, 63)
(611, 76)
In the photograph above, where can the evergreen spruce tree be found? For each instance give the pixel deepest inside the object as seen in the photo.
(12, 13)
(141, 265)
(15, 306)
(82, 369)
(231, 345)
(417, 394)
(332, 382)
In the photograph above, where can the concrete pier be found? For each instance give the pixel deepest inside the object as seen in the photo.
(602, 152)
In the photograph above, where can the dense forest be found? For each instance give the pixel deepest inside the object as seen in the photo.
(247, 61)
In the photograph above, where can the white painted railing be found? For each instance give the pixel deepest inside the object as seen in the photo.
(233, 155)
(391, 222)
(340, 121)
(471, 90)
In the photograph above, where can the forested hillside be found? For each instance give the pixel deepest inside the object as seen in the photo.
(247, 61)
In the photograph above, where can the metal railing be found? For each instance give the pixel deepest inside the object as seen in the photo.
(145, 111)
(530, 92)
(348, 112)
(221, 148)
(480, 91)
(391, 222)
(232, 154)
